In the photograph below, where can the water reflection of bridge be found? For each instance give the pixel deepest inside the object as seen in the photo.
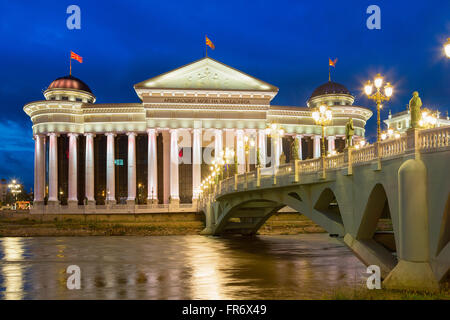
(406, 179)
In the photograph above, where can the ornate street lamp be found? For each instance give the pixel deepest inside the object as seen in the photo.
(15, 189)
(447, 48)
(322, 116)
(228, 158)
(378, 96)
(248, 143)
(275, 132)
(429, 119)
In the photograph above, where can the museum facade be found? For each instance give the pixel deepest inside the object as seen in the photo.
(152, 156)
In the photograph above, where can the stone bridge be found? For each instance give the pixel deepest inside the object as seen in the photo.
(405, 180)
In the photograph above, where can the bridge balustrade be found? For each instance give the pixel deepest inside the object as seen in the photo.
(393, 147)
(434, 138)
(428, 139)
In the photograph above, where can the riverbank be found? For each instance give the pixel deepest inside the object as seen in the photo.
(26, 225)
(385, 294)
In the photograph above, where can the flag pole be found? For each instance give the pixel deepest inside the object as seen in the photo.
(329, 72)
(70, 63)
(206, 48)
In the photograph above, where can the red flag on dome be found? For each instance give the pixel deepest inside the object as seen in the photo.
(209, 43)
(332, 63)
(73, 55)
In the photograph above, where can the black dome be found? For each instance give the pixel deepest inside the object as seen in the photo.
(69, 82)
(330, 88)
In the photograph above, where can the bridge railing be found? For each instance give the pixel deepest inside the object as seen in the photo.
(364, 154)
(310, 165)
(420, 140)
(434, 138)
(335, 161)
(393, 147)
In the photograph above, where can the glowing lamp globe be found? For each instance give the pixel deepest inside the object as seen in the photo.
(378, 81)
(315, 115)
(447, 48)
(322, 109)
(368, 88)
(388, 90)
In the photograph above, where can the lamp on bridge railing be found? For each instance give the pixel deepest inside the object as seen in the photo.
(429, 119)
(322, 116)
(228, 157)
(390, 134)
(249, 143)
(378, 97)
(361, 143)
(275, 132)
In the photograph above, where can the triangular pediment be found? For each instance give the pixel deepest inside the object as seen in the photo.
(206, 74)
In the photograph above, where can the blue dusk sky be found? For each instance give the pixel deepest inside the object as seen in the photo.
(286, 43)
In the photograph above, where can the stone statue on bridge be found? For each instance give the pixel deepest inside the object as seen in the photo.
(414, 107)
(349, 132)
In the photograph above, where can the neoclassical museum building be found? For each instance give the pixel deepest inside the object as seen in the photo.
(151, 156)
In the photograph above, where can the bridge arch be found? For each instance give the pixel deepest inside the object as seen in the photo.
(247, 214)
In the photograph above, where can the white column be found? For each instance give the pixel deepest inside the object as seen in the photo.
(276, 147)
(39, 169)
(174, 192)
(316, 146)
(110, 169)
(152, 174)
(280, 145)
(196, 162)
(262, 147)
(53, 169)
(240, 150)
(331, 143)
(89, 178)
(73, 174)
(218, 143)
(300, 153)
(131, 168)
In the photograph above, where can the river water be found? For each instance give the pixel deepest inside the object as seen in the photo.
(178, 267)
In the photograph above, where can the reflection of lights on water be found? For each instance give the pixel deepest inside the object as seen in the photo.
(12, 272)
(207, 280)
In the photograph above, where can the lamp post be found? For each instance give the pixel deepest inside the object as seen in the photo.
(322, 116)
(274, 131)
(429, 119)
(229, 155)
(447, 48)
(378, 96)
(248, 143)
(14, 187)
